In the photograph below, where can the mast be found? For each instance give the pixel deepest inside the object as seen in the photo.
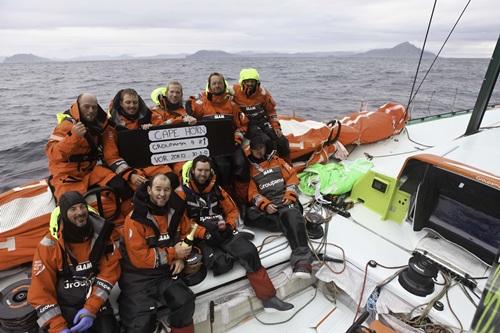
(485, 93)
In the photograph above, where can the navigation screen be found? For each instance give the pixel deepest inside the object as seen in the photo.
(478, 229)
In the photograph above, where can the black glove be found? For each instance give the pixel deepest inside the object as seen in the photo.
(213, 237)
(227, 233)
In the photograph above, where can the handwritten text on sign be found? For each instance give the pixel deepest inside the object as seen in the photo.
(177, 133)
(179, 156)
(174, 145)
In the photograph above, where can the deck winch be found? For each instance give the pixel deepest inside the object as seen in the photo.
(418, 277)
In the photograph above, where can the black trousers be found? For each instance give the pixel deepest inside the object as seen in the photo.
(105, 320)
(288, 220)
(144, 294)
(273, 141)
(232, 167)
(220, 257)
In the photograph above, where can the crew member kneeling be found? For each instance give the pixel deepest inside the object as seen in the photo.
(153, 256)
(74, 268)
(214, 211)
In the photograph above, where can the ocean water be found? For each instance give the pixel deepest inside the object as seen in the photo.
(314, 88)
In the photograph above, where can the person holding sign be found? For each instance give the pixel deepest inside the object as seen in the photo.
(170, 110)
(259, 106)
(216, 101)
(209, 206)
(128, 112)
(153, 258)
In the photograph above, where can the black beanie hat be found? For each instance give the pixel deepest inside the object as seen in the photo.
(67, 200)
(257, 142)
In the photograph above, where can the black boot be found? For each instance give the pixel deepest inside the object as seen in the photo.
(275, 304)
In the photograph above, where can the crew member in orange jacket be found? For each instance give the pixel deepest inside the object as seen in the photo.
(170, 110)
(128, 112)
(74, 268)
(216, 100)
(273, 193)
(74, 148)
(154, 255)
(208, 205)
(260, 108)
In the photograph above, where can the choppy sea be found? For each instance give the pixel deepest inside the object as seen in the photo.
(314, 88)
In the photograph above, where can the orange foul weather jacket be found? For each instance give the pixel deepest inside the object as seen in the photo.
(52, 288)
(161, 116)
(72, 159)
(209, 105)
(272, 181)
(146, 247)
(110, 141)
(216, 199)
(259, 104)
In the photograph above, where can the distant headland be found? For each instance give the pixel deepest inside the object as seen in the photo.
(402, 50)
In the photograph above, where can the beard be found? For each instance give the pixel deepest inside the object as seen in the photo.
(75, 234)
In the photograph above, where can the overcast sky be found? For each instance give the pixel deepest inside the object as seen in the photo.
(66, 29)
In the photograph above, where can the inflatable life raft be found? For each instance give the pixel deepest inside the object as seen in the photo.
(315, 142)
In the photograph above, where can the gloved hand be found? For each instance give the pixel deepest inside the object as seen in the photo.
(213, 237)
(65, 330)
(238, 137)
(83, 321)
(227, 233)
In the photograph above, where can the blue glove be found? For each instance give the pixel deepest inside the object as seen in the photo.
(66, 330)
(83, 321)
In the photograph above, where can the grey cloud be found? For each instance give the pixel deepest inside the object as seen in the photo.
(292, 25)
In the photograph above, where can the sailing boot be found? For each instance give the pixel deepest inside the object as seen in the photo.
(274, 304)
(242, 229)
(302, 270)
(265, 291)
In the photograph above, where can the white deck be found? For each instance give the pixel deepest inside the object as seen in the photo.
(366, 237)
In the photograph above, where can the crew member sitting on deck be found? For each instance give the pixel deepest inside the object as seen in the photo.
(260, 108)
(74, 268)
(75, 147)
(216, 100)
(128, 112)
(209, 206)
(273, 193)
(170, 110)
(154, 256)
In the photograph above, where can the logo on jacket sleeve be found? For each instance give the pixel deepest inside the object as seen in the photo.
(38, 267)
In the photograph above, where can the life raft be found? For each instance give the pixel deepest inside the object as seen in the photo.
(314, 142)
(372, 126)
(25, 213)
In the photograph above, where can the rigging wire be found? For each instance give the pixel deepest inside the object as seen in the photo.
(453, 312)
(466, 293)
(415, 142)
(420, 58)
(439, 52)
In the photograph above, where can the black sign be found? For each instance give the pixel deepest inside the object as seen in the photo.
(177, 143)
